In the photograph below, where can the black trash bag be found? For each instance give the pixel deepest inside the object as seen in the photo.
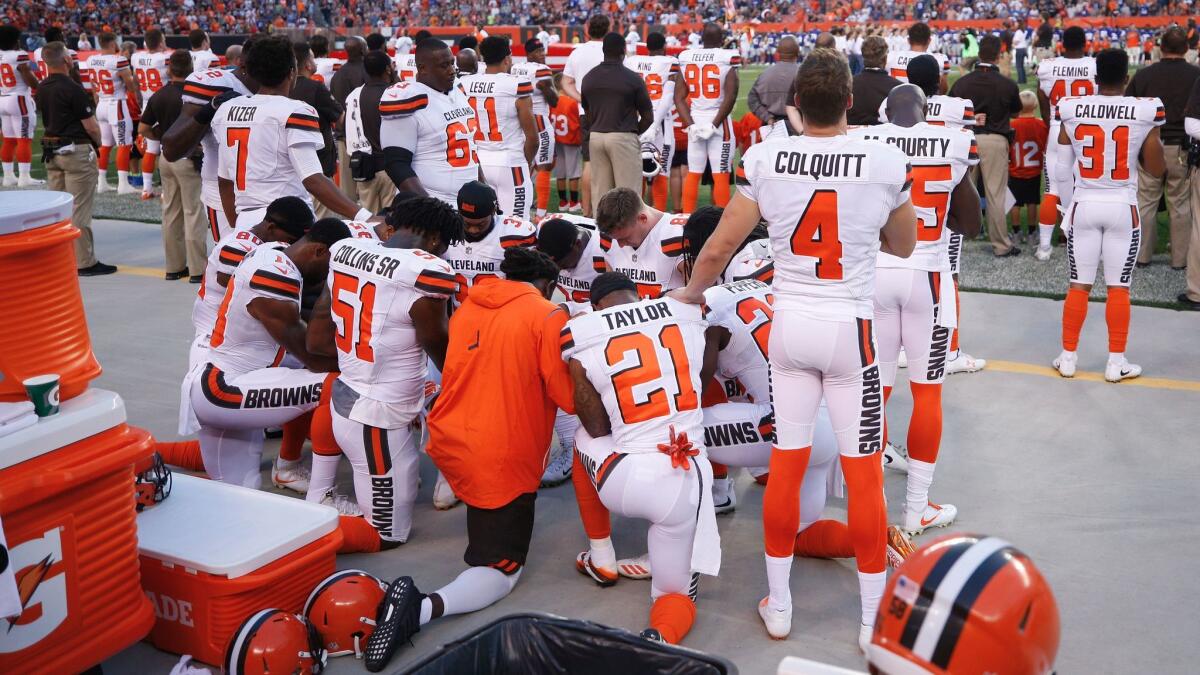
(532, 643)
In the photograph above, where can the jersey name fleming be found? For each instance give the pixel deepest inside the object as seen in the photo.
(1106, 111)
(915, 147)
(821, 165)
(623, 318)
(1082, 72)
(366, 261)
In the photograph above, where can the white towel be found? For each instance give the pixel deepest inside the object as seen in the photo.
(706, 546)
(947, 311)
(188, 424)
(12, 411)
(10, 599)
(18, 424)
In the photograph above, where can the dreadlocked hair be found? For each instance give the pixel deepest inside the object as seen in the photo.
(428, 215)
(526, 264)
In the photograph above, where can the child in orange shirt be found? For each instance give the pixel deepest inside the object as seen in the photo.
(1026, 159)
(568, 160)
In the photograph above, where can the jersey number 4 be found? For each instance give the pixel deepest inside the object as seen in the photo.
(355, 312)
(816, 235)
(648, 370)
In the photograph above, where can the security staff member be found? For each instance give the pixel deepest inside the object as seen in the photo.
(361, 122)
(185, 227)
(69, 148)
(348, 78)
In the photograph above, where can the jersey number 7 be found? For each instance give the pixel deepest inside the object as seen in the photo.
(647, 370)
(816, 235)
(239, 136)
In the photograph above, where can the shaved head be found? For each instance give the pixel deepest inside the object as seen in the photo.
(712, 35)
(906, 105)
(467, 61)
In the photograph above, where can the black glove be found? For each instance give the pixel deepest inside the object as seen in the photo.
(204, 115)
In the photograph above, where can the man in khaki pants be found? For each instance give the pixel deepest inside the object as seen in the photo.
(361, 123)
(68, 147)
(618, 109)
(1170, 80)
(185, 229)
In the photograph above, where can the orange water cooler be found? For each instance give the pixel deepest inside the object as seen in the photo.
(67, 482)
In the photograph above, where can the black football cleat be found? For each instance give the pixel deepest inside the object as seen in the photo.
(397, 619)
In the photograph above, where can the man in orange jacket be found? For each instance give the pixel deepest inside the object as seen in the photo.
(488, 434)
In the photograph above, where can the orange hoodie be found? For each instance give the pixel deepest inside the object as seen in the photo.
(489, 432)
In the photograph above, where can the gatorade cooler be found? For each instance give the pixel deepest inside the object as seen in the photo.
(45, 330)
(213, 554)
(67, 505)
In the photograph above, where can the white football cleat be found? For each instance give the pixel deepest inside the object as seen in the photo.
(934, 515)
(724, 498)
(28, 181)
(895, 458)
(864, 637)
(443, 495)
(964, 363)
(635, 568)
(777, 621)
(291, 475)
(102, 186)
(902, 359)
(1116, 371)
(343, 504)
(127, 189)
(899, 547)
(9, 181)
(1042, 254)
(559, 469)
(1065, 364)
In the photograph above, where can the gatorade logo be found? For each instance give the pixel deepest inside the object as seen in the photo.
(167, 608)
(40, 571)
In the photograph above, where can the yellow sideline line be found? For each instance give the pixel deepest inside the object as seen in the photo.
(1017, 367)
(1046, 371)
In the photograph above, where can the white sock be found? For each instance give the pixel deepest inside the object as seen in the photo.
(323, 476)
(426, 611)
(1116, 357)
(870, 588)
(603, 554)
(565, 426)
(122, 177)
(8, 169)
(1045, 233)
(147, 181)
(474, 589)
(920, 477)
(26, 169)
(103, 174)
(953, 354)
(779, 575)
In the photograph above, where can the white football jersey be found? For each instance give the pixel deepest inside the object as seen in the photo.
(204, 60)
(11, 81)
(41, 65)
(897, 62)
(474, 260)
(223, 259)
(104, 73)
(361, 230)
(576, 283)
(406, 67)
(644, 360)
(1061, 77)
(499, 139)
(825, 200)
(535, 73)
(200, 89)
(940, 157)
(654, 265)
(943, 111)
(438, 129)
(255, 135)
(744, 309)
(753, 261)
(326, 67)
(1106, 133)
(150, 72)
(372, 289)
(656, 72)
(704, 72)
(240, 343)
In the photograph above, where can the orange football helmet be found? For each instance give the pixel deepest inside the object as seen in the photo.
(342, 609)
(275, 642)
(966, 604)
